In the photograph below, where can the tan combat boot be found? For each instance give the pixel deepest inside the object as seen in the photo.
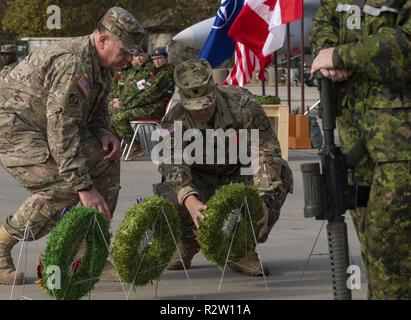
(188, 248)
(7, 269)
(249, 265)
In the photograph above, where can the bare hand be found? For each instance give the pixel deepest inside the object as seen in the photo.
(110, 142)
(324, 60)
(263, 222)
(195, 207)
(93, 199)
(336, 75)
(115, 103)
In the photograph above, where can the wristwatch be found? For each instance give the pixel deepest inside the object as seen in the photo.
(268, 200)
(85, 189)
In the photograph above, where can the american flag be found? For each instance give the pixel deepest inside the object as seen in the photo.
(245, 63)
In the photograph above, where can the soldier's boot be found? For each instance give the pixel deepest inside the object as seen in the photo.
(188, 249)
(249, 265)
(7, 270)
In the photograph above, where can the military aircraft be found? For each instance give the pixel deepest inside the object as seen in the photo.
(196, 35)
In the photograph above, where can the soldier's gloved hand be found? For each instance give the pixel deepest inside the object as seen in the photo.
(195, 207)
(110, 142)
(93, 199)
(263, 222)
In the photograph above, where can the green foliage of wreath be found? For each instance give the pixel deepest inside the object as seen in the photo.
(136, 265)
(214, 242)
(77, 228)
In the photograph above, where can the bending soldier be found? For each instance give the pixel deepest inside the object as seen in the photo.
(205, 105)
(55, 138)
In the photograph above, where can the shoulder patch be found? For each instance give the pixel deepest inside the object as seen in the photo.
(84, 86)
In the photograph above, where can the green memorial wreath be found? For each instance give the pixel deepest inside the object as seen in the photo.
(82, 231)
(144, 243)
(227, 216)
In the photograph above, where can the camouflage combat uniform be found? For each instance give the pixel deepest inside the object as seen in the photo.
(376, 105)
(4, 72)
(117, 85)
(146, 94)
(52, 113)
(236, 109)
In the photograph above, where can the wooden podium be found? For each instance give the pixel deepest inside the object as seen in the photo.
(278, 116)
(299, 133)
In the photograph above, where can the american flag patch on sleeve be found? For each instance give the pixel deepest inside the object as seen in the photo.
(84, 86)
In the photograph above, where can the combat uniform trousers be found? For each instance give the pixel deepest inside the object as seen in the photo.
(384, 226)
(50, 194)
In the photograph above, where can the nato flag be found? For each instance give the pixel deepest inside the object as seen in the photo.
(219, 46)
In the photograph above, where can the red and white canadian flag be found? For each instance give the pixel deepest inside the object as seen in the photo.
(261, 24)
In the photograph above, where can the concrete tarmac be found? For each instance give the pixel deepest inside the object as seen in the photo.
(285, 253)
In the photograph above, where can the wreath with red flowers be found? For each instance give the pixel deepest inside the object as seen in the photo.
(77, 248)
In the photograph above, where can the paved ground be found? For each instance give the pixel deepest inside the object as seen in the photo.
(285, 253)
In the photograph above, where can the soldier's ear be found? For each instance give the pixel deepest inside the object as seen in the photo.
(102, 40)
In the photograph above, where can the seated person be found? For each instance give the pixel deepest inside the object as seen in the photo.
(125, 80)
(145, 96)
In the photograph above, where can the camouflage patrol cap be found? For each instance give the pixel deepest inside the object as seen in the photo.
(8, 48)
(125, 26)
(159, 51)
(194, 78)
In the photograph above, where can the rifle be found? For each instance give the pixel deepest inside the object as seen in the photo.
(328, 195)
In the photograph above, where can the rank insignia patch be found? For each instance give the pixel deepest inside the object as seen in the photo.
(73, 99)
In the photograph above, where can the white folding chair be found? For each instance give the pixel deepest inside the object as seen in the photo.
(143, 129)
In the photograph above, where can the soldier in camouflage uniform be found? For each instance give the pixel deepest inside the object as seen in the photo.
(205, 105)
(146, 94)
(140, 66)
(55, 138)
(369, 55)
(9, 59)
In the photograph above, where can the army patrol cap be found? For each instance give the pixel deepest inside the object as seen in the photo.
(194, 78)
(125, 26)
(8, 48)
(159, 51)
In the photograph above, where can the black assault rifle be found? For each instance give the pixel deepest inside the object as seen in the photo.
(328, 195)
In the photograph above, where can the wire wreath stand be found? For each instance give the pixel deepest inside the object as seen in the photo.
(143, 247)
(24, 242)
(233, 225)
(94, 226)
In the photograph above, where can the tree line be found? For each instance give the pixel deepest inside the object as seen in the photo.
(28, 18)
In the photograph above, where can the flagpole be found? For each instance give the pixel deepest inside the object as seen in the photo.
(302, 64)
(276, 73)
(263, 87)
(288, 67)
